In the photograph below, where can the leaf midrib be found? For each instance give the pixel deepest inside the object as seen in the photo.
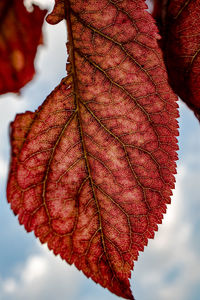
(77, 106)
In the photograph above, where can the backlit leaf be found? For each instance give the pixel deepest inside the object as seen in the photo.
(92, 169)
(180, 21)
(20, 34)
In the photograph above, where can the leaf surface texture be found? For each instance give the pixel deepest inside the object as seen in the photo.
(92, 169)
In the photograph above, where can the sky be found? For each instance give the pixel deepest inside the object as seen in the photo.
(169, 268)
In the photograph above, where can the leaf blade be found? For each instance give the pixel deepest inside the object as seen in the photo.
(94, 173)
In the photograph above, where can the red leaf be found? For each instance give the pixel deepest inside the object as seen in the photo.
(180, 28)
(92, 169)
(20, 34)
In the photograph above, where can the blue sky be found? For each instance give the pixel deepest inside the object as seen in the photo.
(169, 268)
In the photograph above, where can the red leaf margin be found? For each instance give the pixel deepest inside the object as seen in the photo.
(92, 169)
(20, 35)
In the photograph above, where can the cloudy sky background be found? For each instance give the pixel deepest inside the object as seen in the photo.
(169, 268)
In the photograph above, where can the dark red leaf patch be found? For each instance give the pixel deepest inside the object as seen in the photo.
(20, 34)
(93, 168)
(180, 21)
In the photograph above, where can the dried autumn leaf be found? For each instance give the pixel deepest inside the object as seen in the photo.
(92, 169)
(181, 45)
(20, 34)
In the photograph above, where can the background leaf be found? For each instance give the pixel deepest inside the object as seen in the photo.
(20, 35)
(179, 20)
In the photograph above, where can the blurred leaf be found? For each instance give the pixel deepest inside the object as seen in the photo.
(20, 35)
(179, 21)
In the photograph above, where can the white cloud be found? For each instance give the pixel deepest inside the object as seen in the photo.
(9, 286)
(35, 269)
(41, 3)
(3, 168)
(52, 56)
(42, 276)
(169, 269)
